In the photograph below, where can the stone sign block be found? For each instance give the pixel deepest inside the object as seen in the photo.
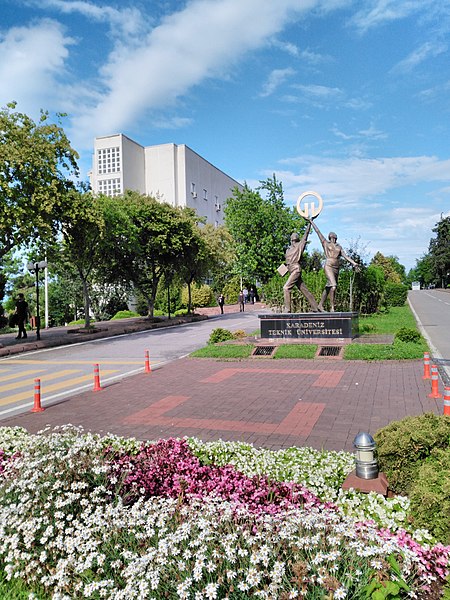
(309, 326)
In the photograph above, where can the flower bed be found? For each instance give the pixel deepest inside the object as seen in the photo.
(84, 516)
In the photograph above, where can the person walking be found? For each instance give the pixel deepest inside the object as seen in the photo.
(221, 302)
(252, 294)
(245, 292)
(22, 313)
(241, 301)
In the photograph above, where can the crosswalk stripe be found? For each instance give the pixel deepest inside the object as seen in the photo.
(50, 388)
(68, 361)
(29, 382)
(20, 374)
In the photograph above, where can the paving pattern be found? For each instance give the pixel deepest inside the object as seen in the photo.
(271, 403)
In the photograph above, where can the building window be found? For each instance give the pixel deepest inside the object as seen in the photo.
(205, 194)
(108, 160)
(109, 187)
(193, 192)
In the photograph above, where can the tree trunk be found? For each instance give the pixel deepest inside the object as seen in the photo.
(189, 297)
(87, 318)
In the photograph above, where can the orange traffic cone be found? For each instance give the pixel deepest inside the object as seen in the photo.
(426, 366)
(434, 383)
(148, 368)
(447, 401)
(37, 397)
(97, 386)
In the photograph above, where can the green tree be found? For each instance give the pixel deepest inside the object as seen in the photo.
(392, 269)
(261, 228)
(155, 244)
(36, 166)
(193, 263)
(439, 251)
(423, 271)
(81, 250)
(220, 244)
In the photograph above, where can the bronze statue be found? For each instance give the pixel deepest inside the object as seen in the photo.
(333, 253)
(293, 257)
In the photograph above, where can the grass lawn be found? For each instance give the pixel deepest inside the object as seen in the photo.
(390, 322)
(225, 351)
(296, 351)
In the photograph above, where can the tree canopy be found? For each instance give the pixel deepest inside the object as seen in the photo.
(439, 251)
(261, 227)
(36, 166)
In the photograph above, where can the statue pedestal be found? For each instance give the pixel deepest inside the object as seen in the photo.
(311, 327)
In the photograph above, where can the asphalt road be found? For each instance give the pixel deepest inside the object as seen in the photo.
(68, 370)
(432, 309)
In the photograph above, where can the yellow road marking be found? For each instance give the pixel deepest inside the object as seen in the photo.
(29, 382)
(19, 374)
(19, 361)
(50, 388)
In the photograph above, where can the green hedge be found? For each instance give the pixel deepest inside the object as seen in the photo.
(395, 294)
(415, 455)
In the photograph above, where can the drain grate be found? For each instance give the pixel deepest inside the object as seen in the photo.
(263, 351)
(329, 351)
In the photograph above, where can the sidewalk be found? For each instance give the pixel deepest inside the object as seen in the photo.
(321, 403)
(62, 336)
(271, 403)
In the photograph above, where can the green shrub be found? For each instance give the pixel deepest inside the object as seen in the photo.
(181, 312)
(220, 335)
(239, 334)
(430, 495)
(124, 314)
(405, 334)
(201, 295)
(395, 294)
(77, 322)
(404, 445)
(366, 327)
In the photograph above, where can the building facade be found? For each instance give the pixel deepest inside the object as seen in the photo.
(171, 173)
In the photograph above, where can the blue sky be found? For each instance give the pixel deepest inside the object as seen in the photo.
(350, 99)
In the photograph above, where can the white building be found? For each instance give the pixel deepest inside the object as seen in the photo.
(172, 173)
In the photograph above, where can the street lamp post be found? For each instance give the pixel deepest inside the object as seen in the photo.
(34, 268)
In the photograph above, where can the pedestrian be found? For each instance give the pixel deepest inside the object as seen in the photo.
(22, 313)
(245, 292)
(241, 301)
(221, 301)
(252, 295)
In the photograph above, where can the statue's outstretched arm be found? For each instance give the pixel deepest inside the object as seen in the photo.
(348, 259)
(319, 233)
(307, 230)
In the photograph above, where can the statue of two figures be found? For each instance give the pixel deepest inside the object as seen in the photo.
(333, 254)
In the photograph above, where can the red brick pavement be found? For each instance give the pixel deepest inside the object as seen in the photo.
(270, 403)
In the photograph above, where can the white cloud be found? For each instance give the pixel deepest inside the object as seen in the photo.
(307, 55)
(276, 78)
(348, 181)
(361, 198)
(127, 21)
(421, 54)
(378, 12)
(203, 40)
(172, 123)
(31, 61)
